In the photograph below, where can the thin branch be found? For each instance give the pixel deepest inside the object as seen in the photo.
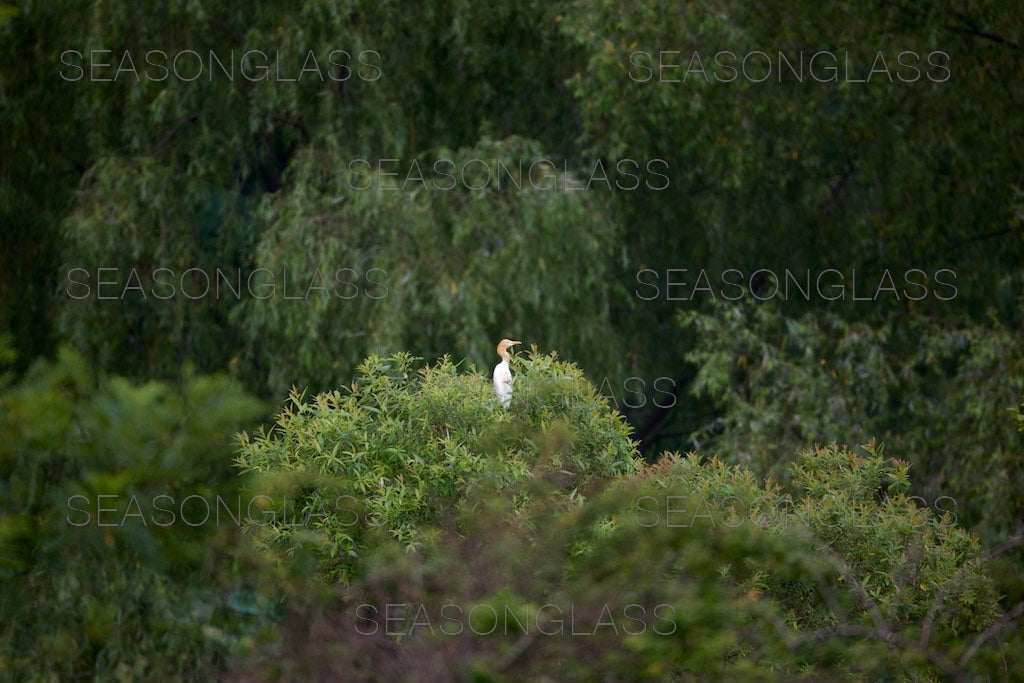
(178, 126)
(976, 238)
(867, 602)
(991, 631)
(885, 636)
(974, 30)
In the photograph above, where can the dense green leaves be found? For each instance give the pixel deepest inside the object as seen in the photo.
(687, 569)
(106, 566)
(938, 395)
(421, 261)
(402, 445)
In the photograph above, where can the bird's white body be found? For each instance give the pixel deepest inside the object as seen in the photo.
(502, 374)
(503, 382)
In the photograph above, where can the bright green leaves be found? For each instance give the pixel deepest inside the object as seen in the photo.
(400, 448)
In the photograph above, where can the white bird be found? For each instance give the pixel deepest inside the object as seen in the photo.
(502, 375)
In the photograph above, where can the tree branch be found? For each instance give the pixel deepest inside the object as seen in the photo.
(972, 29)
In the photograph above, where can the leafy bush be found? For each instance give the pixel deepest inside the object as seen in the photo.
(99, 575)
(856, 509)
(522, 517)
(399, 448)
(601, 589)
(938, 394)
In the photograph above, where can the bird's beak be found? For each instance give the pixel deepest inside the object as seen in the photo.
(513, 343)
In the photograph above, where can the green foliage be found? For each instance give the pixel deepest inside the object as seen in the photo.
(340, 269)
(239, 175)
(605, 589)
(195, 160)
(96, 579)
(400, 447)
(401, 257)
(937, 393)
(782, 173)
(153, 321)
(856, 510)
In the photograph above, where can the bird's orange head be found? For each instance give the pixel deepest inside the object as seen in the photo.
(504, 345)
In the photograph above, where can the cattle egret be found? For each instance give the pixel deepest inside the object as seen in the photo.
(502, 375)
